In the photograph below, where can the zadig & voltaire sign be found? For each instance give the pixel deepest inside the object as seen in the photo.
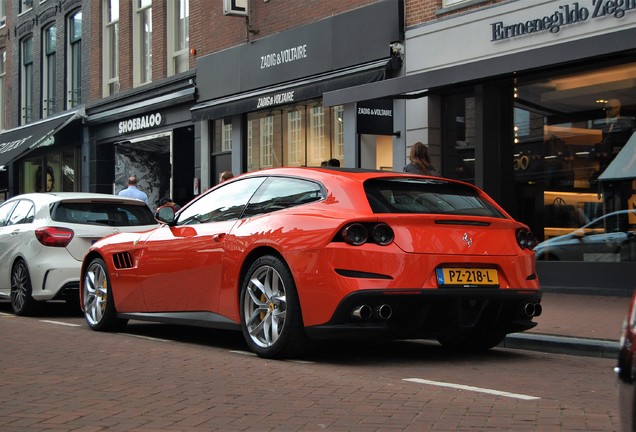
(566, 15)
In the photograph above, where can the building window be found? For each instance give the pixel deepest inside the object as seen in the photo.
(3, 75)
(25, 5)
(319, 152)
(74, 71)
(178, 36)
(110, 48)
(49, 43)
(337, 151)
(222, 136)
(142, 42)
(26, 80)
(3, 13)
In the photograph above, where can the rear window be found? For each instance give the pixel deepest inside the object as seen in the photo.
(422, 196)
(102, 213)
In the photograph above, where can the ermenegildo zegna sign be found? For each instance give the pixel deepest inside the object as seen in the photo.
(564, 15)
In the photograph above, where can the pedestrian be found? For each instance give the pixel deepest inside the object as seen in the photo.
(132, 191)
(333, 163)
(167, 201)
(420, 161)
(225, 175)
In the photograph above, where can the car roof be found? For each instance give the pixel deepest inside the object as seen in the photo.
(50, 197)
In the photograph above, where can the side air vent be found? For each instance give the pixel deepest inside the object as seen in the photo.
(123, 260)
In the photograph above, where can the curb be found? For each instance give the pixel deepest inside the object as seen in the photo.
(562, 345)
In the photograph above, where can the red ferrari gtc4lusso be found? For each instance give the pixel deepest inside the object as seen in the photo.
(287, 255)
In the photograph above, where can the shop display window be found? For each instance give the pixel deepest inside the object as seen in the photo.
(574, 167)
(299, 135)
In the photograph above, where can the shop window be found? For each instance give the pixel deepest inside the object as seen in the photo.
(49, 71)
(574, 144)
(222, 136)
(142, 42)
(459, 136)
(300, 135)
(178, 36)
(74, 60)
(26, 80)
(54, 172)
(110, 48)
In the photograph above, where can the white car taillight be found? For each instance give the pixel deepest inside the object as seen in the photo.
(54, 236)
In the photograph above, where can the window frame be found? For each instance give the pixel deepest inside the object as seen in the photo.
(178, 36)
(74, 59)
(142, 43)
(49, 70)
(110, 48)
(26, 80)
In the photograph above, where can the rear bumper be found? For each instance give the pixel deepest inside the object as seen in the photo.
(430, 313)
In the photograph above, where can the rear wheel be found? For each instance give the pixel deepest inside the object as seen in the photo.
(270, 311)
(472, 341)
(97, 296)
(22, 300)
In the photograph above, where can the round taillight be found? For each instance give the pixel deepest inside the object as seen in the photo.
(355, 234)
(526, 239)
(54, 236)
(382, 234)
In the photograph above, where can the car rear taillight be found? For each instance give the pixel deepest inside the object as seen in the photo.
(54, 236)
(526, 239)
(357, 234)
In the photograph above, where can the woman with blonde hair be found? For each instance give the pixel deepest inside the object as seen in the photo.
(420, 161)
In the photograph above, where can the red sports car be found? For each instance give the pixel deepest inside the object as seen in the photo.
(288, 255)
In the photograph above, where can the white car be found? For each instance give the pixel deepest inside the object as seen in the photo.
(44, 237)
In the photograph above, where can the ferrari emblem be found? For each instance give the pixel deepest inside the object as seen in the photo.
(468, 240)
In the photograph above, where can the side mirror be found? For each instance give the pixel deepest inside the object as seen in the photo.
(165, 214)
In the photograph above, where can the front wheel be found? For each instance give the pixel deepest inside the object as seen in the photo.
(97, 298)
(22, 301)
(271, 318)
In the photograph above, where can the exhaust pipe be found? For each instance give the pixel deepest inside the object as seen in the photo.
(362, 312)
(532, 309)
(384, 311)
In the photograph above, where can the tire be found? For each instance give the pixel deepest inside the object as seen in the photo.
(271, 318)
(472, 341)
(97, 298)
(22, 301)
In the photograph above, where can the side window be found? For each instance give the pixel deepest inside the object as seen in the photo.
(226, 202)
(280, 193)
(5, 211)
(23, 213)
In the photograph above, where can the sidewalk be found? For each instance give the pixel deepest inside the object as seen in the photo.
(577, 324)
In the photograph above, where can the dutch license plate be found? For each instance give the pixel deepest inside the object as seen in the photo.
(467, 276)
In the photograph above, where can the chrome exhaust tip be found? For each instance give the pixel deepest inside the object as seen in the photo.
(362, 312)
(384, 311)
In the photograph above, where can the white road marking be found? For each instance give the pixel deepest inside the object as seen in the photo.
(144, 337)
(471, 388)
(61, 323)
(246, 353)
(6, 314)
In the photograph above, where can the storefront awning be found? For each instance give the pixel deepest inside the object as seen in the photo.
(17, 142)
(288, 93)
(624, 164)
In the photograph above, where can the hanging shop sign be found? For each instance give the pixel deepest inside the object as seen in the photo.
(375, 117)
(564, 15)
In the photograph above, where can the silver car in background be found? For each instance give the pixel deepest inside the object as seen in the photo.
(610, 238)
(44, 237)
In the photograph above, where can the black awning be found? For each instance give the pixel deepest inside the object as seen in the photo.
(15, 143)
(288, 93)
